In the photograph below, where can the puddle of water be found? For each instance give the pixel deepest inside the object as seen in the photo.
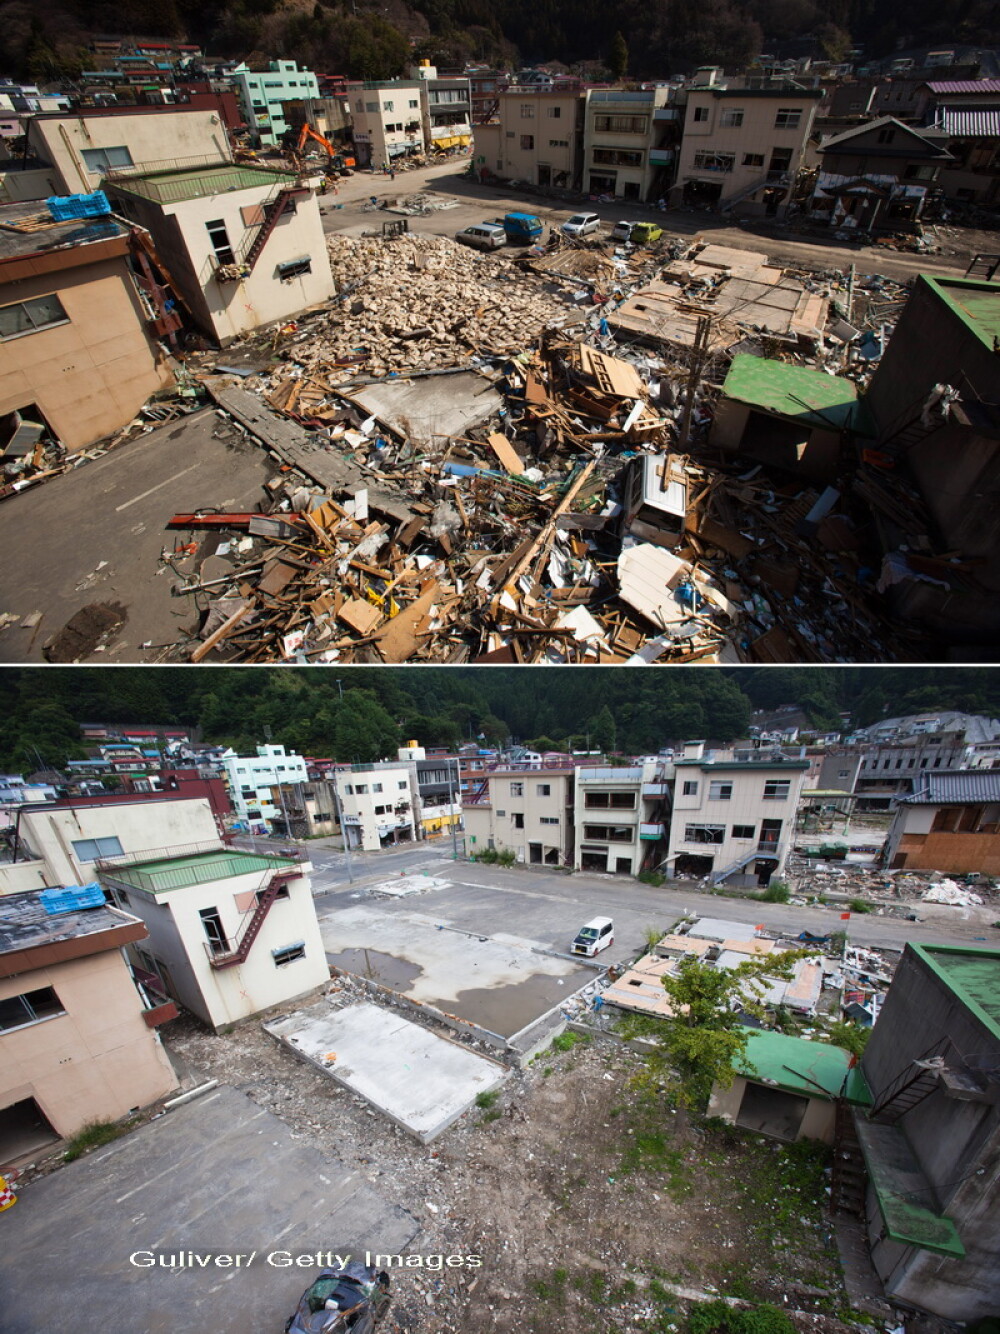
(386, 969)
(508, 1009)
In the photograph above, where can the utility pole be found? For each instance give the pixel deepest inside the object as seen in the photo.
(343, 830)
(451, 797)
(700, 353)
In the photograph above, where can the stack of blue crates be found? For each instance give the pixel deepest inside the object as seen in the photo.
(72, 898)
(64, 208)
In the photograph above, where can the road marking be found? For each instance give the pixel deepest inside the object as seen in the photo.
(135, 499)
(166, 1172)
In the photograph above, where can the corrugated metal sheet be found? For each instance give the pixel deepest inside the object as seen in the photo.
(967, 785)
(965, 86)
(983, 122)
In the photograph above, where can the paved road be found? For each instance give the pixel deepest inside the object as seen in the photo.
(344, 213)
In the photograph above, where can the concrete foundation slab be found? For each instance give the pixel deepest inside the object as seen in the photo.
(421, 1081)
(408, 884)
(442, 405)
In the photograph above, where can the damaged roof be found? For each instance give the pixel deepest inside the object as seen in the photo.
(810, 1069)
(960, 786)
(798, 392)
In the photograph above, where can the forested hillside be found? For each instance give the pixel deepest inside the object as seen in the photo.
(364, 713)
(378, 38)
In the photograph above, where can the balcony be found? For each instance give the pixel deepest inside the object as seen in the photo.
(667, 113)
(652, 833)
(661, 157)
(653, 790)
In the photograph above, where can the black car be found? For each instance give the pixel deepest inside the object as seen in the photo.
(354, 1298)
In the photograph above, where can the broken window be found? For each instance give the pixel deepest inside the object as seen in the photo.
(517, 789)
(753, 159)
(608, 833)
(701, 113)
(289, 954)
(218, 941)
(704, 833)
(714, 161)
(527, 141)
(219, 240)
(29, 1008)
(518, 819)
(732, 118)
(295, 268)
(744, 831)
(24, 317)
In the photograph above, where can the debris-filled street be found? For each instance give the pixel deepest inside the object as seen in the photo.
(581, 452)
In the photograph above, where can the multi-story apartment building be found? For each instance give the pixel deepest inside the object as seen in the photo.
(535, 134)
(230, 933)
(388, 120)
(254, 782)
(376, 805)
(744, 145)
(733, 813)
(621, 817)
(626, 140)
(527, 810)
(445, 108)
(262, 95)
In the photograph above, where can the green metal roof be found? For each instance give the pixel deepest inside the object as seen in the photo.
(167, 873)
(975, 302)
(972, 975)
(811, 1069)
(796, 392)
(173, 187)
(905, 1196)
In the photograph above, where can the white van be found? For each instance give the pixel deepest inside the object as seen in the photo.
(597, 935)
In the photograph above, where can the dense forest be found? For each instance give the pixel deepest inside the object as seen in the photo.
(377, 39)
(363, 713)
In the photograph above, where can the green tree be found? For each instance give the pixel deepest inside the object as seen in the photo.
(704, 1036)
(618, 57)
(602, 731)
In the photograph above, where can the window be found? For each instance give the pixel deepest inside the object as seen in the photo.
(517, 789)
(103, 159)
(30, 1008)
(295, 268)
(776, 790)
(543, 789)
(25, 317)
(348, 790)
(371, 108)
(719, 791)
(219, 240)
(559, 143)
(527, 141)
(701, 113)
(914, 172)
(217, 939)
(549, 819)
(289, 954)
(620, 124)
(554, 112)
(714, 161)
(787, 118)
(527, 111)
(413, 104)
(690, 789)
(501, 815)
(361, 789)
(89, 849)
(402, 785)
(753, 159)
(388, 106)
(510, 135)
(744, 831)
(608, 833)
(704, 833)
(886, 135)
(731, 118)
(518, 820)
(376, 787)
(618, 157)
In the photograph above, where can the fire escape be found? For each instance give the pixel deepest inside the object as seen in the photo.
(280, 201)
(251, 931)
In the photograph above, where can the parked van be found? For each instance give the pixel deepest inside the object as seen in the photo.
(597, 935)
(581, 224)
(483, 236)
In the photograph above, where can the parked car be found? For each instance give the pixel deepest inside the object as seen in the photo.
(482, 236)
(597, 935)
(639, 233)
(354, 1298)
(581, 224)
(622, 231)
(521, 228)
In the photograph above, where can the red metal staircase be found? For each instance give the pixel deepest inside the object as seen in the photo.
(265, 899)
(272, 210)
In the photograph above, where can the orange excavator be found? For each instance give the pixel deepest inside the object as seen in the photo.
(339, 162)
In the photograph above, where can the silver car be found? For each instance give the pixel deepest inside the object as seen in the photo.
(581, 224)
(483, 236)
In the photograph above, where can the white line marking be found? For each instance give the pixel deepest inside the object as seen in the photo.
(135, 499)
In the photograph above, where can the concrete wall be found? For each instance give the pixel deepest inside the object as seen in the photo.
(552, 121)
(817, 1123)
(90, 376)
(20, 185)
(18, 877)
(97, 1061)
(177, 938)
(747, 806)
(151, 137)
(138, 826)
(373, 110)
(956, 1143)
(642, 812)
(631, 181)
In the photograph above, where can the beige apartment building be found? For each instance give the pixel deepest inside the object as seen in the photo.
(244, 245)
(733, 815)
(83, 146)
(626, 140)
(79, 341)
(743, 146)
(388, 120)
(77, 1039)
(621, 817)
(525, 810)
(535, 135)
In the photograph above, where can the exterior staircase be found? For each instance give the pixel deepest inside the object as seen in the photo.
(772, 179)
(911, 1086)
(847, 1185)
(251, 931)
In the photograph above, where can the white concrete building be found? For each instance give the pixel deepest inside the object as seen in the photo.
(261, 96)
(377, 805)
(251, 779)
(526, 810)
(230, 933)
(61, 845)
(733, 813)
(388, 120)
(620, 818)
(244, 245)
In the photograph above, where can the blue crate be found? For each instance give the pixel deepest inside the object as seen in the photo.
(65, 208)
(72, 898)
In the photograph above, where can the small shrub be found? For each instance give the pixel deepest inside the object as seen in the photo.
(653, 878)
(93, 1135)
(778, 891)
(485, 1100)
(859, 906)
(567, 1041)
(493, 1115)
(718, 1317)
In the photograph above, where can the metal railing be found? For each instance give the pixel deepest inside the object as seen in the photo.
(128, 873)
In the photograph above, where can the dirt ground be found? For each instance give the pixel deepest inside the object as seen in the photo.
(589, 1208)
